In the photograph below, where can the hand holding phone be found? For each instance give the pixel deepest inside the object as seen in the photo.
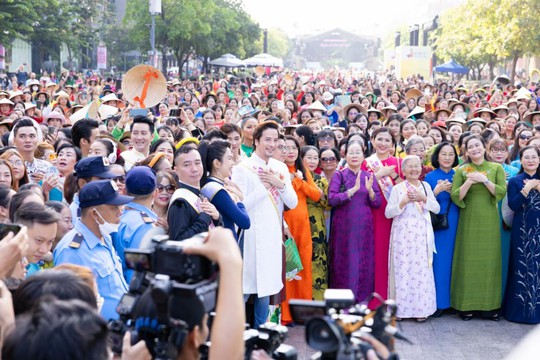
(13, 246)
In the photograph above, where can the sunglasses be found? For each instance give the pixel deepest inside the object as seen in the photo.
(328, 159)
(120, 179)
(524, 137)
(169, 188)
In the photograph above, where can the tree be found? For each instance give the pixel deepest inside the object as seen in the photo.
(18, 18)
(279, 43)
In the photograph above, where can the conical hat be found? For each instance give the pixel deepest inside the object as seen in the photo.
(106, 110)
(144, 86)
(79, 115)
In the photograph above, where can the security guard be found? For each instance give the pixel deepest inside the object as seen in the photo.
(89, 243)
(89, 169)
(138, 217)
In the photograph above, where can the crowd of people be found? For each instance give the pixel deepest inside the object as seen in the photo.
(426, 193)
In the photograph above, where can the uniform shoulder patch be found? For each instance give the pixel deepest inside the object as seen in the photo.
(147, 219)
(77, 241)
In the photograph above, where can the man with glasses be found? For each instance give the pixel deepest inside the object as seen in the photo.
(138, 217)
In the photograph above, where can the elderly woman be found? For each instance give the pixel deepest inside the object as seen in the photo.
(416, 146)
(524, 198)
(411, 280)
(477, 187)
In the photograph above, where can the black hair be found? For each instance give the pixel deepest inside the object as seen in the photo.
(211, 151)
(214, 134)
(63, 284)
(66, 131)
(383, 129)
(470, 138)
(78, 153)
(17, 200)
(324, 133)
(257, 134)
(229, 128)
(59, 330)
(35, 213)
(334, 150)
(184, 149)
(82, 129)
(306, 132)
(366, 144)
(171, 121)
(108, 145)
(24, 122)
(397, 117)
(5, 196)
(166, 128)
(140, 119)
(305, 149)
(402, 124)
(522, 150)
(435, 155)
(298, 162)
(158, 142)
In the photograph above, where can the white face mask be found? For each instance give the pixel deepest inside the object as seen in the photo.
(107, 228)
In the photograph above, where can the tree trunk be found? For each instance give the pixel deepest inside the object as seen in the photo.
(164, 64)
(513, 69)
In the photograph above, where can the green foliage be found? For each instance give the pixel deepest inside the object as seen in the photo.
(279, 44)
(209, 28)
(18, 18)
(483, 32)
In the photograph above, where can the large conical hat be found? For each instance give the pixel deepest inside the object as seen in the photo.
(144, 86)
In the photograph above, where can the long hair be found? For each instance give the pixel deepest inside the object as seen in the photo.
(298, 162)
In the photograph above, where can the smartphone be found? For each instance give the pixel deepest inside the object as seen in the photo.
(137, 112)
(174, 112)
(5, 229)
(244, 110)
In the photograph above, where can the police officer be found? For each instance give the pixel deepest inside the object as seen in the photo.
(138, 217)
(86, 170)
(89, 243)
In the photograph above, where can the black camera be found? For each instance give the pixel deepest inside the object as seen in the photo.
(269, 338)
(334, 326)
(176, 284)
(167, 258)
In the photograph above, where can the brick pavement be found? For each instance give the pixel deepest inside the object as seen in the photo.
(445, 338)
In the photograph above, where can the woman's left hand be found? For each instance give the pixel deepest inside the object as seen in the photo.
(417, 196)
(369, 182)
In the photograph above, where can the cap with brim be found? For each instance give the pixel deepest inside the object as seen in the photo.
(440, 124)
(317, 105)
(7, 122)
(529, 116)
(358, 107)
(412, 94)
(489, 111)
(141, 180)
(6, 101)
(101, 192)
(55, 115)
(476, 120)
(327, 96)
(465, 106)
(97, 166)
(416, 111)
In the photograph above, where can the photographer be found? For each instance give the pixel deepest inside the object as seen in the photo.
(228, 325)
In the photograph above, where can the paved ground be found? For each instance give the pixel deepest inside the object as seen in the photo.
(447, 338)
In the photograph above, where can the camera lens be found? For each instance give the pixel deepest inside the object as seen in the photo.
(322, 335)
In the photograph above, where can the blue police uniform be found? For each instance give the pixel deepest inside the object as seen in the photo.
(135, 222)
(81, 247)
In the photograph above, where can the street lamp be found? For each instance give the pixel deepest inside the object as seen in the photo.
(155, 8)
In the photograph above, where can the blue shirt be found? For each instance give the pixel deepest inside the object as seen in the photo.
(74, 208)
(135, 222)
(101, 258)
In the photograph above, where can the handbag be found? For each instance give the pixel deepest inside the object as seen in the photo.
(293, 262)
(439, 221)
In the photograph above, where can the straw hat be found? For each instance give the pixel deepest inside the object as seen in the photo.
(106, 110)
(412, 94)
(387, 108)
(529, 116)
(489, 111)
(476, 120)
(144, 86)
(442, 110)
(15, 93)
(6, 101)
(523, 94)
(28, 106)
(61, 94)
(317, 105)
(7, 122)
(466, 107)
(416, 111)
(372, 109)
(110, 97)
(358, 107)
(327, 96)
(454, 120)
(55, 115)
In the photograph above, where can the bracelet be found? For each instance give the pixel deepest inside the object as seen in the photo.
(395, 178)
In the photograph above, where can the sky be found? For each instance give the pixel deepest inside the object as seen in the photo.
(365, 17)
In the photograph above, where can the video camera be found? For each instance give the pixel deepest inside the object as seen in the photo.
(334, 326)
(177, 284)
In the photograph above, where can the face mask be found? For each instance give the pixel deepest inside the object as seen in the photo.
(106, 228)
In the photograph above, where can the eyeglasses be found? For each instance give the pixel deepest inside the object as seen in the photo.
(290, 148)
(524, 137)
(169, 188)
(120, 179)
(499, 151)
(326, 139)
(328, 159)
(282, 148)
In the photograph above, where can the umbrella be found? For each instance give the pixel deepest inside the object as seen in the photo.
(227, 60)
(264, 60)
(452, 67)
